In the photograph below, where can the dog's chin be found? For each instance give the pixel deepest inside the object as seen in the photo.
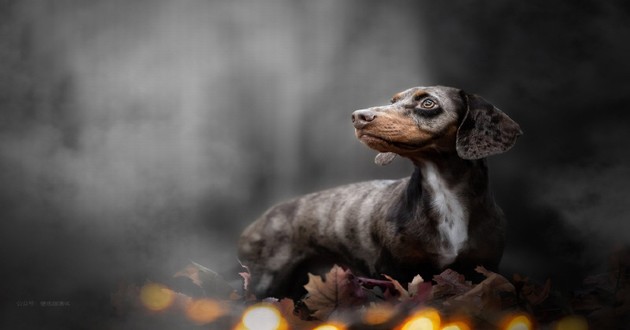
(375, 143)
(381, 144)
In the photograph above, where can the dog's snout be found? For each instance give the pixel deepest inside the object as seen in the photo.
(360, 118)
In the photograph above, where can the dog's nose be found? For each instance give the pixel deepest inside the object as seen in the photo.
(360, 118)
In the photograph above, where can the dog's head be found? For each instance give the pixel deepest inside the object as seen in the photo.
(428, 119)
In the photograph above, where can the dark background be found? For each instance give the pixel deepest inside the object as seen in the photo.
(137, 136)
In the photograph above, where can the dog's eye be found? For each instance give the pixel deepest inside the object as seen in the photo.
(428, 104)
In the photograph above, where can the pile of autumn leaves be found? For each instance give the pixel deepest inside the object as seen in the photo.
(365, 303)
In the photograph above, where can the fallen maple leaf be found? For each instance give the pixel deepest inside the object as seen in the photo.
(338, 290)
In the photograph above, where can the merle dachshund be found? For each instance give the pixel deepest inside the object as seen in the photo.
(442, 216)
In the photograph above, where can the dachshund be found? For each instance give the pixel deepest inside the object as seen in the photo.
(442, 216)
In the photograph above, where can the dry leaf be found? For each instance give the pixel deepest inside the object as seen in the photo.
(450, 283)
(286, 306)
(211, 283)
(487, 294)
(495, 280)
(417, 290)
(191, 271)
(403, 294)
(339, 290)
(386, 289)
(414, 285)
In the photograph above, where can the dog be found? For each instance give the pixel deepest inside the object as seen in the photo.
(442, 216)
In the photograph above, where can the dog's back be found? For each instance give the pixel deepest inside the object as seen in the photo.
(331, 225)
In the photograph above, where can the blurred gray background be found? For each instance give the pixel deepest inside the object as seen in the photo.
(137, 136)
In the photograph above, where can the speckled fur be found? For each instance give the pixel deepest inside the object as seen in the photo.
(441, 216)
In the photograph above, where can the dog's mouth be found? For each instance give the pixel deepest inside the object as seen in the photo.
(384, 144)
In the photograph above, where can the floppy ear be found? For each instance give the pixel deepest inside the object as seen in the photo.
(484, 130)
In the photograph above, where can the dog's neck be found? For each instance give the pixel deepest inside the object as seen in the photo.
(445, 190)
(448, 171)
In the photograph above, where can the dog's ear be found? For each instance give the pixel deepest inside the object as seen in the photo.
(484, 130)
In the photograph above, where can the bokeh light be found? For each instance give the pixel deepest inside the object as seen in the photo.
(573, 322)
(204, 311)
(457, 325)
(330, 326)
(426, 319)
(156, 297)
(518, 322)
(262, 317)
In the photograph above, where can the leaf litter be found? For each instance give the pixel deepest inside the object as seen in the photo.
(366, 303)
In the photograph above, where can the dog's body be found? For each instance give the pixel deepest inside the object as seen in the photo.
(443, 215)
